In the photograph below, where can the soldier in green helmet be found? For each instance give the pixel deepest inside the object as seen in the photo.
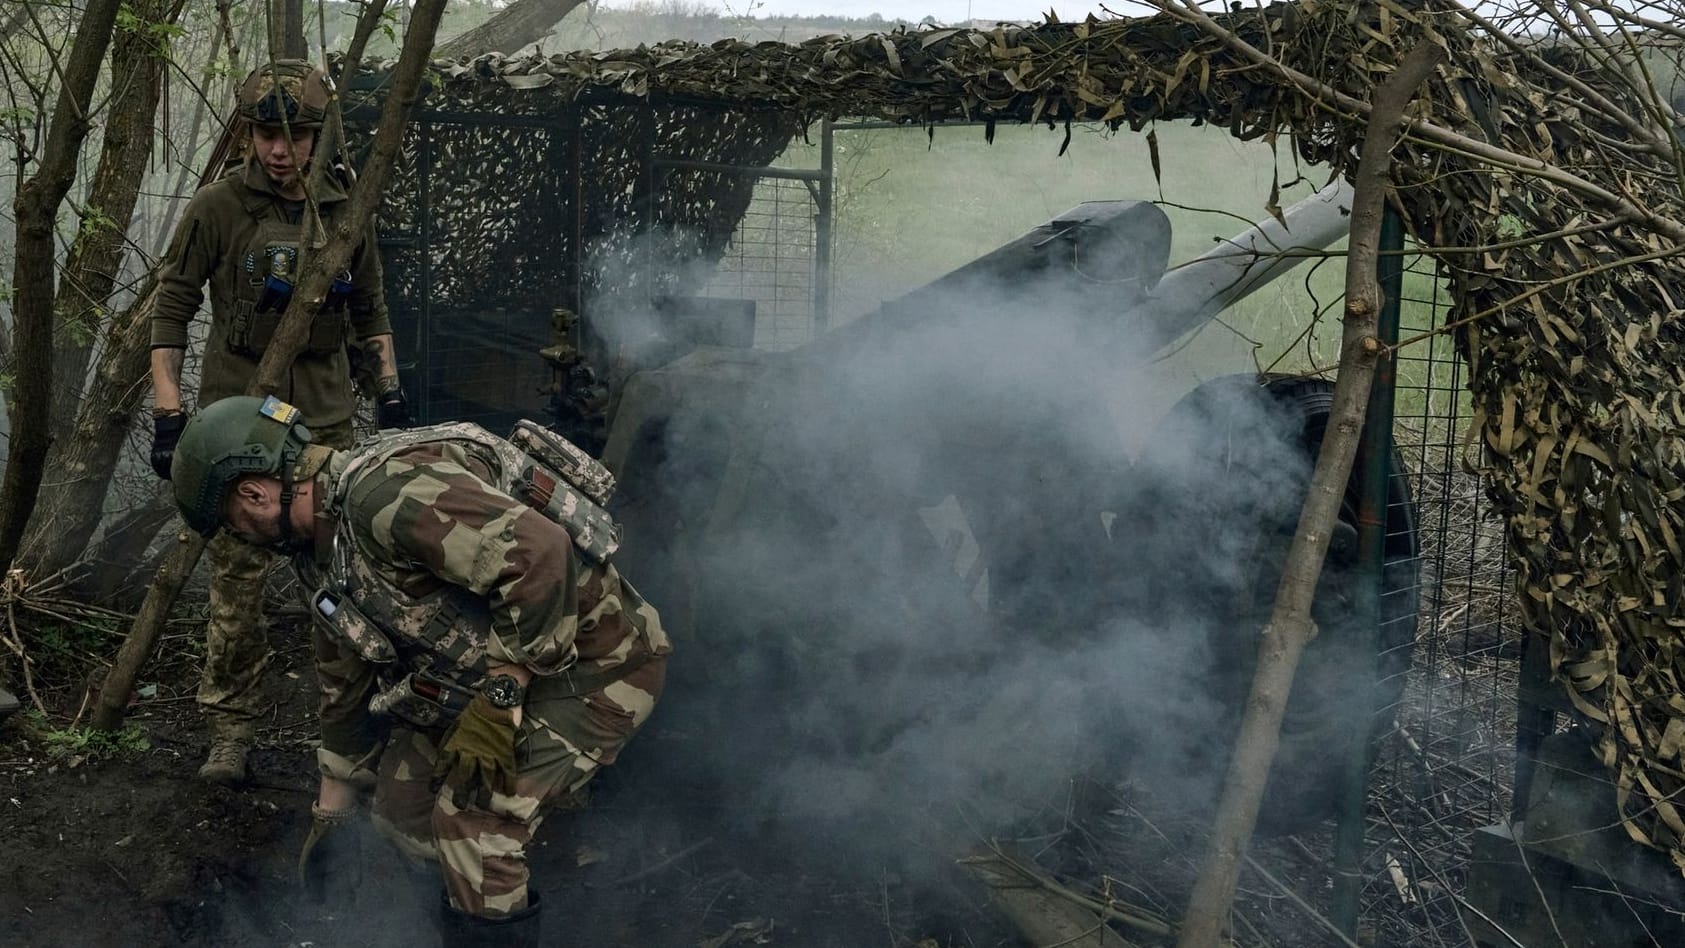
(478, 661)
(241, 234)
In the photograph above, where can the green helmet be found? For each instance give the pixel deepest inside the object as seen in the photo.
(287, 88)
(225, 441)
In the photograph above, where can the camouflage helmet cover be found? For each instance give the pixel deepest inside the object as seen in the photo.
(287, 89)
(226, 441)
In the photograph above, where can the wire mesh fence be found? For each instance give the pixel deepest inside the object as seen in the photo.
(1445, 766)
(771, 260)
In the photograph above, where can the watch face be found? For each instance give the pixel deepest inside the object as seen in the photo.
(502, 691)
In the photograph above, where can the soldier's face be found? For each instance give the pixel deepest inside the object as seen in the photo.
(283, 157)
(253, 512)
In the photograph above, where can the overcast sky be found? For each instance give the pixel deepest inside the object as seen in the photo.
(946, 11)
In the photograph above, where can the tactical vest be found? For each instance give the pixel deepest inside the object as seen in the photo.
(432, 648)
(267, 267)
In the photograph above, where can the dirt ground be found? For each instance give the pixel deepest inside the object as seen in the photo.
(129, 849)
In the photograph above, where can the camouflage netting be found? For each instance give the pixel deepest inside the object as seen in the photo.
(498, 165)
(507, 203)
(1566, 283)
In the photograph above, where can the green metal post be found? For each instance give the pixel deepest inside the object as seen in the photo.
(822, 234)
(1374, 469)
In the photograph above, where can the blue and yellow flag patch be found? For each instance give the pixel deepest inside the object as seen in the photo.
(278, 410)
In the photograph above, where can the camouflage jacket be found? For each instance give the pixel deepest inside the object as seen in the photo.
(432, 546)
(228, 235)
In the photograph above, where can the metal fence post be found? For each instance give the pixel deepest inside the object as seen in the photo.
(1375, 467)
(822, 235)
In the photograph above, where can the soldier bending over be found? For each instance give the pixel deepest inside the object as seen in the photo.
(479, 658)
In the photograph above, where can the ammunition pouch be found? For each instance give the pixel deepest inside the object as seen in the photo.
(569, 487)
(575, 466)
(254, 324)
(347, 625)
(595, 534)
(422, 700)
(271, 265)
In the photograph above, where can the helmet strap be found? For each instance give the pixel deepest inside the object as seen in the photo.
(288, 491)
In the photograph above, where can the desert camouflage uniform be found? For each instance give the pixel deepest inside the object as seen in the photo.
(462, 576)
(222, 241)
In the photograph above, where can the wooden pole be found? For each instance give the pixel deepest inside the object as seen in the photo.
(1290, 626)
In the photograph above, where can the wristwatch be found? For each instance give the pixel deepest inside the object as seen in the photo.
(503, 691)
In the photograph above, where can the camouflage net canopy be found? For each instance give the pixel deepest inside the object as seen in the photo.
(1540, 175)
(508, 202)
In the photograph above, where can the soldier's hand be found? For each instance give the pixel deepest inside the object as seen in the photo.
(330, 864)
(166, 431)
(477, 757)
(391, 408)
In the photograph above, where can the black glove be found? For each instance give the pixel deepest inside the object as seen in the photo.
(330, 864)
(166, 431)
(391, 408)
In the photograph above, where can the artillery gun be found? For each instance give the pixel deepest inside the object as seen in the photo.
(929, 513)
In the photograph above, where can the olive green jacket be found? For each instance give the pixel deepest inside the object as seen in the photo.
(233, 227)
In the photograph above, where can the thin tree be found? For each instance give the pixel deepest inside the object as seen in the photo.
(93, 427)
(286, 29)
(516, 25)
(1290, 626)
(140, 52)
(37, 208)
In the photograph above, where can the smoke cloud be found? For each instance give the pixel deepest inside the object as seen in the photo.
(917, 577)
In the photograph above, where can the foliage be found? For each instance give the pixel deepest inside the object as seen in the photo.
(128, 21)
(85, 742)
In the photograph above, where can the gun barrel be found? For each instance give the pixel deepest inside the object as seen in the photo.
(1193, 292)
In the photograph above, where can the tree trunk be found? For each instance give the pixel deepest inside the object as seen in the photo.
(121, 567)
(520, 23)
(14, 22)
(1290, 626)
(286, 30)
(83, 463)
(138, 60)
(71, 504)
(37, 205)
(317, 268)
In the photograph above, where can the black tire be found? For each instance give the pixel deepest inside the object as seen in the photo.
(1259, 438)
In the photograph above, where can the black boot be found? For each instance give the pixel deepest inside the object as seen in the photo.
(458, 929)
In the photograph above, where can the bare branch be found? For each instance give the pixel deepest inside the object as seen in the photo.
(1324, 94)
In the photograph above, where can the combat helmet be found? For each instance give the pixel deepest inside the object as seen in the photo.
(287, 89)
(227, 440)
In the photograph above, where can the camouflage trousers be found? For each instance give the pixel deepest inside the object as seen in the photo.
(560, 746)
(236, 644)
